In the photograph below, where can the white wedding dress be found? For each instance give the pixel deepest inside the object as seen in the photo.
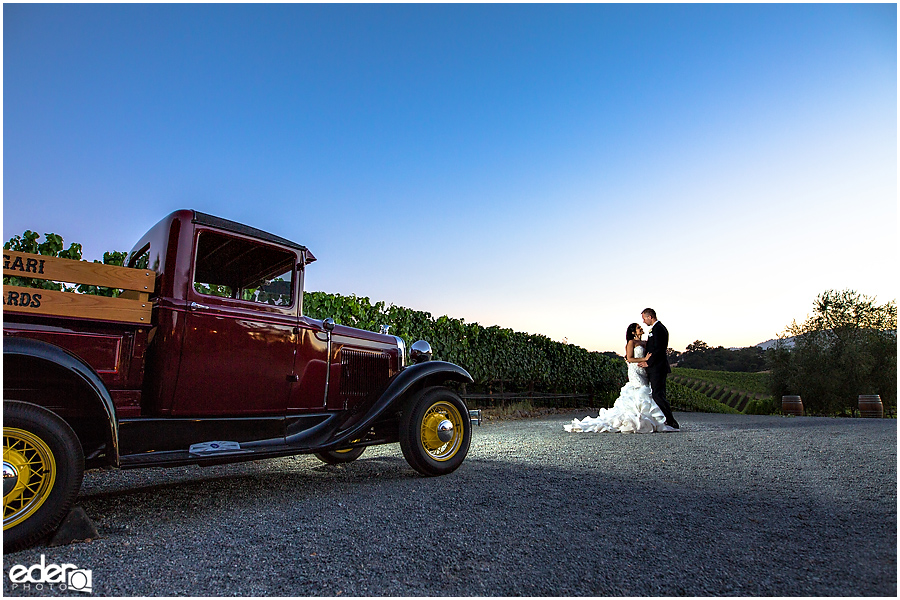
(633, 412)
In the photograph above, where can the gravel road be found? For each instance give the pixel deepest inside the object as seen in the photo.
(733, 505)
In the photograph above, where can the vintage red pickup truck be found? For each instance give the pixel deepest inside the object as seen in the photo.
(205, 357)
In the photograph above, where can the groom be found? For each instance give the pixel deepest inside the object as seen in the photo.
(658, 365)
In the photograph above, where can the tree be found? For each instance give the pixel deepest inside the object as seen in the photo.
(672, 355)
(697, 346)
(847, 346)
(699, 355)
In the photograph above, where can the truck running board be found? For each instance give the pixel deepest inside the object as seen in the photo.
(207, 448)
(173, 458)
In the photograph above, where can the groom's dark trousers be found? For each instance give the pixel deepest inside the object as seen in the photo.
(658, 369)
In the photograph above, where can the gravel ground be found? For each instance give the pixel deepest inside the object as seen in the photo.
(733, 505)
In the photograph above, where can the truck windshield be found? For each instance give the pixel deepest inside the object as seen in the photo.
(235, 268)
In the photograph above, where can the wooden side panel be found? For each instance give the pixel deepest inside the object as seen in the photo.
(67, 304)
(21, 264)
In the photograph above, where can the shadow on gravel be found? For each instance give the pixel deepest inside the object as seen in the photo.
(303, 481)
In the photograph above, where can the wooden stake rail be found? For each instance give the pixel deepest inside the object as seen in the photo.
(132, 306)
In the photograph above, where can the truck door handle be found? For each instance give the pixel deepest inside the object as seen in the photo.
(293, 378)
(195, 306)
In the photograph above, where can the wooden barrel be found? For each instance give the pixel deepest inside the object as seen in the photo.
(792, 405)
(870, 406)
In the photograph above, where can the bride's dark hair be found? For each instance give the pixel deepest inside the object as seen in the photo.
(629, 334)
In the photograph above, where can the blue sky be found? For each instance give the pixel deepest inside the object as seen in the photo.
(552, 169)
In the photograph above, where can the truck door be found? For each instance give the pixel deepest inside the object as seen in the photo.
(315, 359)
(241, 328)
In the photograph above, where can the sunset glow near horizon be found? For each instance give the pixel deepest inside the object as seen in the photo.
(553, 169)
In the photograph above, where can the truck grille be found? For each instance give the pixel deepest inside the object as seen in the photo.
(363, 372)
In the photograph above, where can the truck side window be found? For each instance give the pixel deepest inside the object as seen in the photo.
(243, 270)
(140, 259)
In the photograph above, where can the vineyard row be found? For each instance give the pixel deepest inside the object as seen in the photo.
(746, 382)
(498, 359)
(737, 399)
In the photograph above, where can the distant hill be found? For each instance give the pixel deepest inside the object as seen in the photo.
(768, 344)
(789, 342)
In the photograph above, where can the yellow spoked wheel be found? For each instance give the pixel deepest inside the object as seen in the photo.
(42, 469)
(29, 472)
(435, 431)
(442, 431)
(336, 457)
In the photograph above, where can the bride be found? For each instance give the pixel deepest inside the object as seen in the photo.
(634, 411)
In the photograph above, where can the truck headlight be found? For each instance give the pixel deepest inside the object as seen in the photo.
(420, 352)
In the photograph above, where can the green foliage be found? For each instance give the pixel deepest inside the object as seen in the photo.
(52, 245)
(492, 355)
(109, 258)
(212, 289)
(846, 347)
(274, 292)
(697, 346)
(763, 406)
(757, 383)
(683, 398)
(699, 355)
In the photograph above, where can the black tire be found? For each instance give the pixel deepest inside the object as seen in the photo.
(422, 447)
(337, 457)
(41, 450)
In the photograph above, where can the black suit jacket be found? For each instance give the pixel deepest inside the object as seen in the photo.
(657, 345)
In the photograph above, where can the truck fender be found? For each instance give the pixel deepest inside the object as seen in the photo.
(40, 350)
(434, 371)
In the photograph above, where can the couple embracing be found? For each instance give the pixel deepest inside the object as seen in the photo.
(642, 406)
